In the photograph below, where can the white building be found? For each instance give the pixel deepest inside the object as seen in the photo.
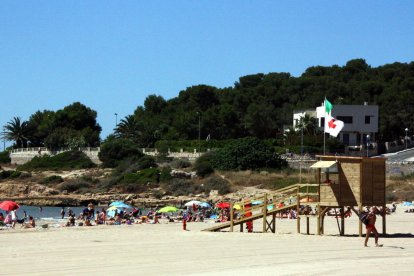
(359, 121)
(297, 115)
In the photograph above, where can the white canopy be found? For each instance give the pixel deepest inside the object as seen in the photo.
(323, 164)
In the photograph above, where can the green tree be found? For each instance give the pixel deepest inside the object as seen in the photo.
(128, 128)
(246, 153)
(17, 131)
(113, 151)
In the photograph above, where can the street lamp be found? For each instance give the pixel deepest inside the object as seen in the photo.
(406, 137)
(199, 130)
(116, 120)
(368, 145)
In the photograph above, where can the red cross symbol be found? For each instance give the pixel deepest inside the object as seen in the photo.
(331, 123)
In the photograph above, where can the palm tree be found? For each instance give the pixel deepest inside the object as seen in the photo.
(17, 131)
(309, 124)
(128, 128)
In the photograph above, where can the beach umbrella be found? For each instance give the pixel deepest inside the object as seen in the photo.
(237, 206)
(9, 205)
(205, 205)
(168, 209)
(223, 205)
(407, 203)
(257, 202)
(110, 212)
(192, 202)
(120, 204)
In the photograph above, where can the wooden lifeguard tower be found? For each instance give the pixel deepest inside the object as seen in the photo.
(349, 182)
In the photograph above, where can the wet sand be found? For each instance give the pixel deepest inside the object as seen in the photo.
(165, 249)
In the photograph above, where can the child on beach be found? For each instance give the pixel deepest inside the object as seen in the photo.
(30, 224)
(372, 218)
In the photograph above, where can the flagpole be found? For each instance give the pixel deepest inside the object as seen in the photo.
(324, 123)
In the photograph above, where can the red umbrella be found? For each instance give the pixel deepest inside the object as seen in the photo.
(9, 205)
(223, 205)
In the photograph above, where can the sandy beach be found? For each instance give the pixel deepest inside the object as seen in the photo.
(165, 249)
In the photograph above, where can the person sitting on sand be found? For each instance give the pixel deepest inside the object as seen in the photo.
(155, 220)
(71, 220)
(111, 221)
(1, 217)
(30, 224)
(87, 223)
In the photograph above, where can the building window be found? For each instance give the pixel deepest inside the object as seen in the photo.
(345, 138)
(367, 120)
(346, 119)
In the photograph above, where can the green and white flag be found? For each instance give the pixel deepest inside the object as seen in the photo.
(328, 106)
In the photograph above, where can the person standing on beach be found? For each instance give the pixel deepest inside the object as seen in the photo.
(62, 213)
(372, 218)
(13, 217)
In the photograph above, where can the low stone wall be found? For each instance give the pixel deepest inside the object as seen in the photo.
(24, 155)
(177, 155)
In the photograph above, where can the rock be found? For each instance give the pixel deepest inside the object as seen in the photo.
(129, 197)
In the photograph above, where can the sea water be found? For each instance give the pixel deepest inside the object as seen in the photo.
(53, 214)
(46, 212)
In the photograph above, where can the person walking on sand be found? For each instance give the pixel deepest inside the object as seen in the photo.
(372, 218)
(13, 217)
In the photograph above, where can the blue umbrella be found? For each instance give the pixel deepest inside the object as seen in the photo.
(120, 204)
(407, 203)
(205, 205)
(257, 202)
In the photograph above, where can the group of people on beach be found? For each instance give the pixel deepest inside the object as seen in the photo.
(12, 219)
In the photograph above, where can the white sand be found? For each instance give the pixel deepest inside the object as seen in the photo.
(167, 250)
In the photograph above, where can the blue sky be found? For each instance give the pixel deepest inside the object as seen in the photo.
(110, 55)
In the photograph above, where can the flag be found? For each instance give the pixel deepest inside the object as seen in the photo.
(208, 138)
(332, 125)
(328, 106)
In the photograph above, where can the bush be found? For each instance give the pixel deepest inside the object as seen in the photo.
(178, 187)
(15, 174)
(132, 188)
(68, 160)
(107, 184)
(280, 183)
(4, 157)
(180, 163)
(73, 185)
(204, 169)
(25, 175)
(151, 175)
(146, 162)
(217, 183)
(246, 153)
(116, 150)
(53, 179)
(5, 174)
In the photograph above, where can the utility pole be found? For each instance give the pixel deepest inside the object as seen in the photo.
(406, 138)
